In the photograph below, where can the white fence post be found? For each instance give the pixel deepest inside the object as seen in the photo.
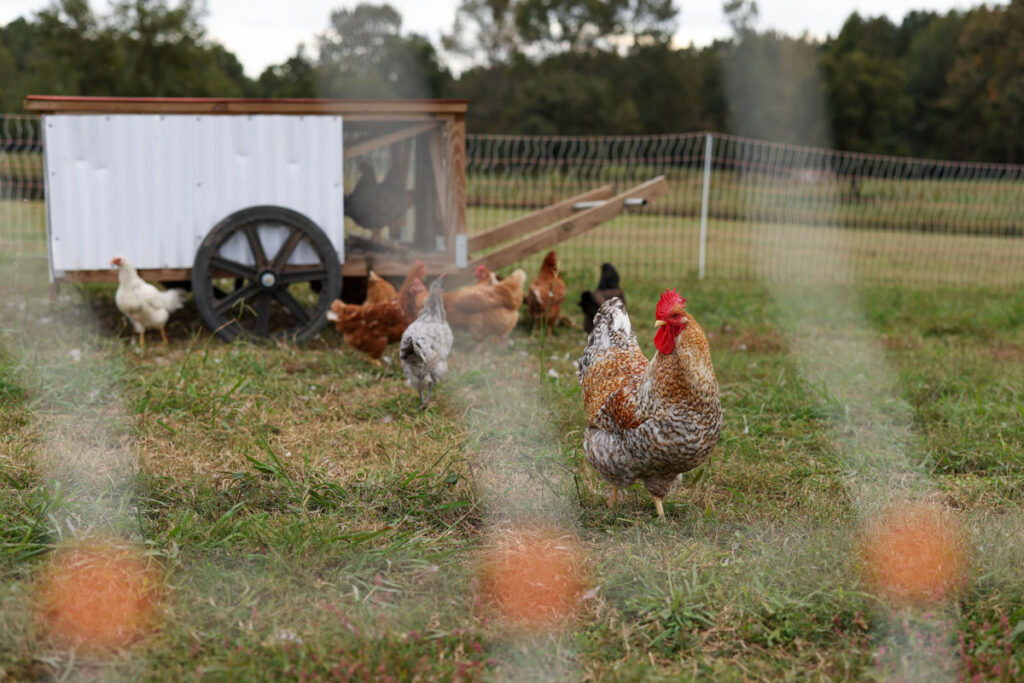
(703, 254)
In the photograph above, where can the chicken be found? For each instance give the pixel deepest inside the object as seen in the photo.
(371, 327)
(426, 344)
(607, 287)
(145, 306)
(547, 292)
(376, 204)
(378, 290)
(648, 420)
(488, 310)
(484, 278)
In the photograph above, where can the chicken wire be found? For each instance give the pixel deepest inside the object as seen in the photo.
(773, 210)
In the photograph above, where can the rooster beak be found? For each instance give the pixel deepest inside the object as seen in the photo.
(659, 323)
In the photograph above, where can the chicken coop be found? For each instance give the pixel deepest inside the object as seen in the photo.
(270, 209)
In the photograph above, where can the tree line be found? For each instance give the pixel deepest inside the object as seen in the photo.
(933, 85)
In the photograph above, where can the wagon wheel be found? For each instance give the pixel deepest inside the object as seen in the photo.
(266, 271)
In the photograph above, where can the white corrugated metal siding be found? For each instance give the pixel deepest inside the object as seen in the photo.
(152, 186)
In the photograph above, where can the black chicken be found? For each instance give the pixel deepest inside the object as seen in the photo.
(376, 204)
(607, 287)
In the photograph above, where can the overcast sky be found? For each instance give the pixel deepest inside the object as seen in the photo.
(264, 32)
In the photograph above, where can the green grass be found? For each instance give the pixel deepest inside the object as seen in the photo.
(310, 523)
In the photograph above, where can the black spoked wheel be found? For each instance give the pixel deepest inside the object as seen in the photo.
(266, 272)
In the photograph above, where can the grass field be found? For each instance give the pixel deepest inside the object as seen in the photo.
(297, 518)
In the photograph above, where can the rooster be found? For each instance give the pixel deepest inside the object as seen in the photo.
(648, 420)
(607, 287)
(547, 292)
(145, 306)
(426, 344)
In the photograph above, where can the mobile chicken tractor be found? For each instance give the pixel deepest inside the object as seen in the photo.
(266, 207)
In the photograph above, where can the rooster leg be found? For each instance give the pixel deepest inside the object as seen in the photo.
(614, 498)
(164, 335)
(142, 339)
(376, 361)
(658, 507)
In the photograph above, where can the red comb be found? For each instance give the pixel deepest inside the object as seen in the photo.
(669, 300)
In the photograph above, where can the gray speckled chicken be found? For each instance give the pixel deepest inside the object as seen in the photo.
(426, 344)
(648, 420)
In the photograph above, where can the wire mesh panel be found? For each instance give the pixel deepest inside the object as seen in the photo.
(773, 209)
(22, 217)
(780, 207)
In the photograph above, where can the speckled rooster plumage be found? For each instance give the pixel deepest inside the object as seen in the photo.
(648, 420)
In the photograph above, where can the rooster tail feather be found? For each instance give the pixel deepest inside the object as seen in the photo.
(611, 325)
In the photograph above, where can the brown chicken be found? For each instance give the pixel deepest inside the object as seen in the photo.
(544, 300)
(648, 420)
(379, 290)
(487, 310)
(484, 278)
(371, 327)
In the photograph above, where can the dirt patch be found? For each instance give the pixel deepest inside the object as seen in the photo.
(900, 342)
(1004, 352)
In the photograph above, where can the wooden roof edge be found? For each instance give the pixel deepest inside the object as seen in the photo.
(70, 104)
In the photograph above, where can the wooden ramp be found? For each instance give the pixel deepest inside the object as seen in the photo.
(551, 225)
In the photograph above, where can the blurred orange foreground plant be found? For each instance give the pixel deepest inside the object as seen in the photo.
(534, 577)
(914, 554)
(98, 595)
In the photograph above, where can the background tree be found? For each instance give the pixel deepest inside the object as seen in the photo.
(984, 101)
(485, 32)
(867, 87)
(364, 54)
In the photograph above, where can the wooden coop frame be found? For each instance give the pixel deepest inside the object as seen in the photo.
(438, 129)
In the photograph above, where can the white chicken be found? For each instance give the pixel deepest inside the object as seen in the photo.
(145, 306)
(426, 344)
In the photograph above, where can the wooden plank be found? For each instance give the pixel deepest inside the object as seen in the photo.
(457, 175)
(395, 266)
(386, 266)
(523, 225)
(110, 275)
(569, 227)
(228, 105)
(390, 139)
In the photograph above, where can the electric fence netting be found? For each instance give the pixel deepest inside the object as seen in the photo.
(772, 210)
